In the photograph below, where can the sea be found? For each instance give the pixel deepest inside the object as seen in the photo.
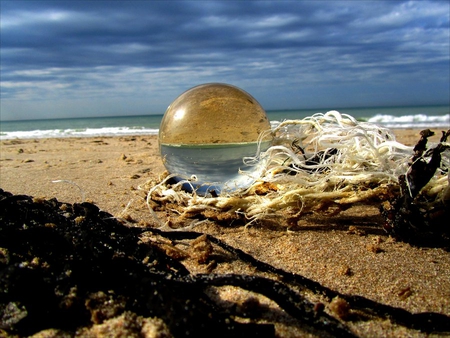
(433, 117)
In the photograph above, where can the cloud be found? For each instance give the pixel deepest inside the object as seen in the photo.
(150, 52)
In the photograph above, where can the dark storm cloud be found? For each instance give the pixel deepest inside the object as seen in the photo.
(287, 53)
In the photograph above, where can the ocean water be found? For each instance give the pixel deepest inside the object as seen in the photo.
(437, 117)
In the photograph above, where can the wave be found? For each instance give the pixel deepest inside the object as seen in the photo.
(419, 121)
(82, 132)
(411, 121)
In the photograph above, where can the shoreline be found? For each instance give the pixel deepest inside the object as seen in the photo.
(335, 251)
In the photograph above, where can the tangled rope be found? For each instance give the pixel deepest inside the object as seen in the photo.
(325, 162)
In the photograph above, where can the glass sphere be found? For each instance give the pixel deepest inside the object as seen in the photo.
(207, 131)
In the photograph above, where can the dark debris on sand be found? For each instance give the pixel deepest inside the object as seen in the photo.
(412, 217)
(68, 267)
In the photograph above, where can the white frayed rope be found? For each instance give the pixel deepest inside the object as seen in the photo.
(329, 157)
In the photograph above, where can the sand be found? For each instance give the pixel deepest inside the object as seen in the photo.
(349, 253)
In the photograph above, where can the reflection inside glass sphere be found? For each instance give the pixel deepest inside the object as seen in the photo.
(207, 131)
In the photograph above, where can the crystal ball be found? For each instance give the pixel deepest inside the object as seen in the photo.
(206, 133)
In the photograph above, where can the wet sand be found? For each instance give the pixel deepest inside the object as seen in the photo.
(349, 253)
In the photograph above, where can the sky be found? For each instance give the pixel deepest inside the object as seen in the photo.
(104, 58)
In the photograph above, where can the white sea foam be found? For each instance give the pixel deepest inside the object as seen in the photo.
(420, 121)
(85, 132)
(412, 121)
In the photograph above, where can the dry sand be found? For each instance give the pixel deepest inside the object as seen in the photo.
(108, 170)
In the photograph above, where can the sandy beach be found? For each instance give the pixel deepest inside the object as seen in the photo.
(349, 253)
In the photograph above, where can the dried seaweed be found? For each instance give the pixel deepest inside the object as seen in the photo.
(61, 263)
(413, 217)
(57, 257)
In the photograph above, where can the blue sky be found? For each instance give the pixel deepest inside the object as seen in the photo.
(101, 58)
